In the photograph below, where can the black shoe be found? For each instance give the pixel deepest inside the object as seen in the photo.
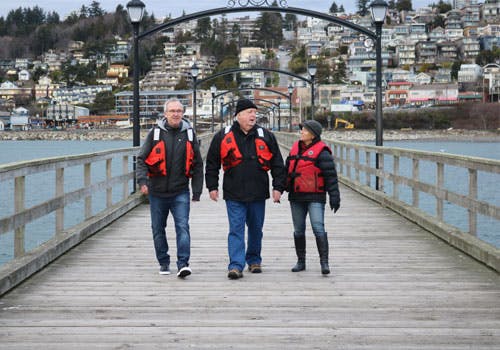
(185, 271)
(164, 270)
(234, 274)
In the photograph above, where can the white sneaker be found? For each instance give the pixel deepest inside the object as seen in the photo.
(185, 271)
(164, 270)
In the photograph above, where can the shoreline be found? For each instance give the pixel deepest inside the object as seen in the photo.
(340, 135)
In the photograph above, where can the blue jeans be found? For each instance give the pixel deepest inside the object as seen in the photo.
(179, 207)
(316, 212)
(241, 213)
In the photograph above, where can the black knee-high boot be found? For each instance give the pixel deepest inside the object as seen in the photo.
(322, 243)
(300, 249)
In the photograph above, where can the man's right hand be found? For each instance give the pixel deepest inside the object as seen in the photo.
(214, 195)
(144, 189)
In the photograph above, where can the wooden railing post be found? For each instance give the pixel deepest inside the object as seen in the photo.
(19, 198)
(415, 177)
(87, 182)
(59, 193)
(472, 195)
(109, 190)
(124, 171)
(395, 183)
(367, 174)
(440, 187)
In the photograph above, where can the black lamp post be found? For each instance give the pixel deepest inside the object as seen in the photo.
(290, 92)
(213, 91)
(135, 10)
(379, 10)
(194, 73)
(312, 72)
(221, 101)
(279, 113)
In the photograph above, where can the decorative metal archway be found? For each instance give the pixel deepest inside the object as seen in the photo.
(264, 6)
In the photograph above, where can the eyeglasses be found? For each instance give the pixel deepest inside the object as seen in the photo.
(172, 111)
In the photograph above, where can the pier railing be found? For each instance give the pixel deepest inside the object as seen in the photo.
(48, 206)
(435, 190)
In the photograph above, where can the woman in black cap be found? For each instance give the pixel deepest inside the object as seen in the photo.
(310, 175)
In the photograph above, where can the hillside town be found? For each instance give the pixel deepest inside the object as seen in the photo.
(431, 56)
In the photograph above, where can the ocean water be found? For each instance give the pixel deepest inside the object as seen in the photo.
(42, 229)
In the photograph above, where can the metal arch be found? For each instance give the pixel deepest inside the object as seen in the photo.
(249, 88)
(237, 70)
(224, 10)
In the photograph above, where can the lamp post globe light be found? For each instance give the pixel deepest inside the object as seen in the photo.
(290, 92)
(135, 10)
(311, 69)
(213, 91)
(378, 10)
(194, 74)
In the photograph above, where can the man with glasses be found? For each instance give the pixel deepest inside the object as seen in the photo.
(169, 160)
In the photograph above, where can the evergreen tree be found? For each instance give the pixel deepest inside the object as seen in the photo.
(203, 29)
(404, 5)
(268, 31)
(341, 9)
(290, 21)
(334, 8)
(362, 7)
(442, 6)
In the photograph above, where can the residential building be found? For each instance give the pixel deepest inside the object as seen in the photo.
(406, 53)
(79, 94)
(45, 88)
(150, 102)
(490, 11)
(446, 52)
(469, 49)
(433, 93)
(117, 71)
(9, 90)
(65, 112)
(119, 51)
(426, 52)
(470, 73)
(397, 93)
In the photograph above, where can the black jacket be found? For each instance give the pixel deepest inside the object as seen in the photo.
(327, 166)
(247, 181)
(176, 181)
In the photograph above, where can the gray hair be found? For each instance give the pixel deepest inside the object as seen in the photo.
(169, 101)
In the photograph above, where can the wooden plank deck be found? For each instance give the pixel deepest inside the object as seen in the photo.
(393, 286)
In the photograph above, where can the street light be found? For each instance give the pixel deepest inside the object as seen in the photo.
(213, 91)
(279, 113)
(194, 74)
(290, 92)
(379, 10)
(312, 72)
(135, 10)
(221, 101)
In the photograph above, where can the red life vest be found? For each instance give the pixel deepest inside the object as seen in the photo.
(303, 174)
(157, 158)
(231, 156)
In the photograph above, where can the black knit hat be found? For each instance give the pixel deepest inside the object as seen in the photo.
(313, 126)
(244, 104)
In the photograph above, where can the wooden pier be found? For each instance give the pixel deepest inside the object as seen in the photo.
(393, 286)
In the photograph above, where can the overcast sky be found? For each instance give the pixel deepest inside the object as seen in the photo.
(162, 8)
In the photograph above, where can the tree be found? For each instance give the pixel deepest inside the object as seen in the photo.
(298, 63)
(454, 69)
(203, 29)
(181, 84)
(442, 6)
(290, 21)
(95, 10)
(488, 56)
(103, 103)
(341, 9)
(268, 31)
(362, 7)
(404, 5)
(334, 8)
